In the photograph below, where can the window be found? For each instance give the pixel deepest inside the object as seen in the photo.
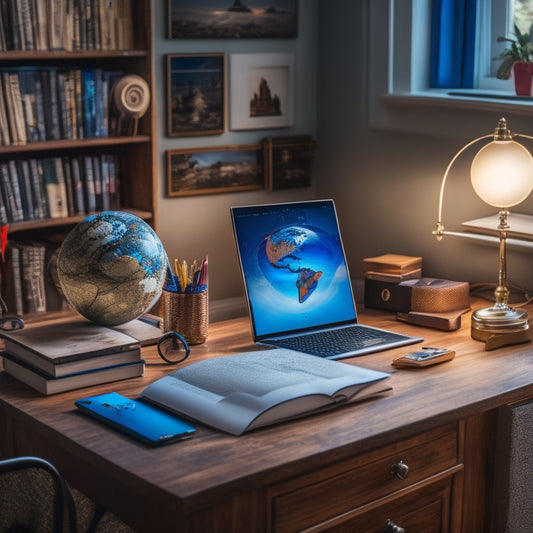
(399, 70)
(497, 18)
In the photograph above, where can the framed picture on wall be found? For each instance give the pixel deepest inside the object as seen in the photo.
(214, 170)
(261, 91)
(232, 19)
(287, 162)
(196, 89)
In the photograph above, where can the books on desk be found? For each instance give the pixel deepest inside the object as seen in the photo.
(56, 357)
(241, 392)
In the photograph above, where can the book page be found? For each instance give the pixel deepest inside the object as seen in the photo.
(238, 392)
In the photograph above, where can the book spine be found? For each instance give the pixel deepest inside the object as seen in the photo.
(18, 107)
(77, 186)
(6, 22)
(78, 99)
(29, 101)
(41, 27)
(18, 213)
(27, 22)
(39, 193)
(90, 192)
(65, 130)
(54, 189)
(100, 97)
(114, 189)
(89, 103)
(28, 205)
(39, 106)
(98, 189)
(5, 138)
(65, 165)
(56, 24)
(3, 216)
(55, 131)
(106, 197)
(7, 192)
(14, 20)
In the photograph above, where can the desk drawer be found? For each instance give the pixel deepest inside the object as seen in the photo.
(427, 509)
(346, 486)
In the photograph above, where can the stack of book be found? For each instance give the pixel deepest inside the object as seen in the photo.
(384, 278)
(62, 356)
(392, 267)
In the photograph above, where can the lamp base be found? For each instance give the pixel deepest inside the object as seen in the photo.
(500, 325)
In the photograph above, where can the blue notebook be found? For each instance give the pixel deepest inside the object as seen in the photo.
(297, 283)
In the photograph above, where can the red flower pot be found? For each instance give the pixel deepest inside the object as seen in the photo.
(523, 73)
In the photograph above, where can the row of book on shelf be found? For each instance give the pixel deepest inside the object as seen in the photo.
(50, 103)
(56, 187)
(30, 283)
(58, 356)
(66, 25)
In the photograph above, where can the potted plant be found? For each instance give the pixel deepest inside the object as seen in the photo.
(518, 60)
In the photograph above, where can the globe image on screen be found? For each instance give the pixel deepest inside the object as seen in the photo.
(111, 267)
(295, 258)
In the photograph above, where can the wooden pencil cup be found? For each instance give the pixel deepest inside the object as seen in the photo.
(187, 314)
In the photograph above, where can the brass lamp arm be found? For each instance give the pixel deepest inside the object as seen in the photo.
(439, 231)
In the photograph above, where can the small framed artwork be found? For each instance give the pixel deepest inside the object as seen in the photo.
(214, 170)
(261, 91)
(232, 19)
(287, 162)
(196, 88)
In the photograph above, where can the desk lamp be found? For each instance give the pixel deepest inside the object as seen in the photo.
(502, 176)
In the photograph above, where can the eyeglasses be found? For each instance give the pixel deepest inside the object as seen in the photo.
(11, 323)
(173, 348)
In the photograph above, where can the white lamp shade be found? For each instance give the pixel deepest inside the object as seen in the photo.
(502, 173)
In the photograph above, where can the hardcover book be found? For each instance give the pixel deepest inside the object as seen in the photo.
(241, 392)
(78, 344)
(392, 264)
(49, 385)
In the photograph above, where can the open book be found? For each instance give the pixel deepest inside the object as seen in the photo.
(241, 392)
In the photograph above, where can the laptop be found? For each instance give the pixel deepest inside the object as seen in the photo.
(297, 282)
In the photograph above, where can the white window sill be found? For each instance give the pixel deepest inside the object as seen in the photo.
(485, 100)
(438, 112)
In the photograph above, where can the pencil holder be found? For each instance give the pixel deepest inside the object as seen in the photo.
(186, 313)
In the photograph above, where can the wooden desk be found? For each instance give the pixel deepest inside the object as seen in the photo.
(324, 469)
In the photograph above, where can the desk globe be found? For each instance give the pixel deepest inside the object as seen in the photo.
(111, 267)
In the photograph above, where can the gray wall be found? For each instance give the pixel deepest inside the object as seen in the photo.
(191, 227)
(385, 184)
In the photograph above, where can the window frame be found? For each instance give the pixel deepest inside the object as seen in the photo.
(398, 91)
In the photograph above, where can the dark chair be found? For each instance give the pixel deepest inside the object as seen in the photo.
(34, 497)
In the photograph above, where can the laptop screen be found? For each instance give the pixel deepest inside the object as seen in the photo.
(294, 267)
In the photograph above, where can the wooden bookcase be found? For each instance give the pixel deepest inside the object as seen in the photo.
(135, 155)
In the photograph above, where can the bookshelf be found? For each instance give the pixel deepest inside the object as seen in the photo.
(128, 162)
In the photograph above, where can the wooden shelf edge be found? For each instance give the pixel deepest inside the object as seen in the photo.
(53, 55)
(67, 144)
(68, 221)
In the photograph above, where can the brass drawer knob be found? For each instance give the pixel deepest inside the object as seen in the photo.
(400, 470)
(391, 527)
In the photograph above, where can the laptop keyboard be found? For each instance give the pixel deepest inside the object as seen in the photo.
(333, 342)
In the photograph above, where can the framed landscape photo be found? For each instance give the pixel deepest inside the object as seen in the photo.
(214, 170)
(261, 91)
(196, 89)
(287, 162)
(232, 19)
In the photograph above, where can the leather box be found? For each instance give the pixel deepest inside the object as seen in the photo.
(387, 295)
(423, 295)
